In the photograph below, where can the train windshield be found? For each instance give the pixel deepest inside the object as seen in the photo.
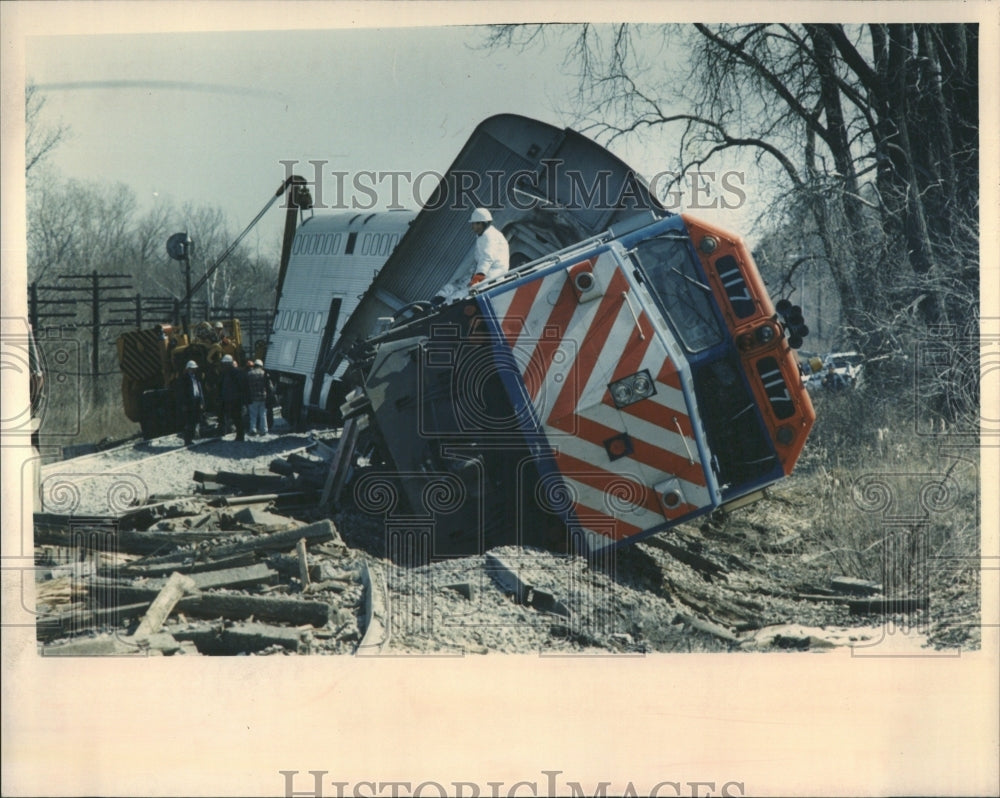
(672, 275)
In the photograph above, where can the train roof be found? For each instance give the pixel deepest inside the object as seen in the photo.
(394, 220)
(525, 169)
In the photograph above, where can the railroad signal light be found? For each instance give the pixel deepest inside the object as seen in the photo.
(179, 246)
(794, 322)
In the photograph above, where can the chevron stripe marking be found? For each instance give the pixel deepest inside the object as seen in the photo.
(589, 354)
(643, 452)
(551, 337)
(669, 375)
(517, 312)
(631, 358)
(661, 415)
(585, 473)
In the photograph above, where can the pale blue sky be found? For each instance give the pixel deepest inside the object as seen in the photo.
(208, 117)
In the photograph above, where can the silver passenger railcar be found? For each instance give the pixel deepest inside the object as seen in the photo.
(332, 263)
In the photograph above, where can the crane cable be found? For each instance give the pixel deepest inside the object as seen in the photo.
(211, 270)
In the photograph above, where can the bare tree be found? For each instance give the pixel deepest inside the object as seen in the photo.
(872, 129)
(40, 139)
(77, 227)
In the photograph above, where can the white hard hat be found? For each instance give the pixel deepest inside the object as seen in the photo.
(259, 363)
(227, 358)
(218, 325)
(481, 215)
(191, 365)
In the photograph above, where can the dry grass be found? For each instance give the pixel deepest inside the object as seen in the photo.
(78, 411)
(878, 500)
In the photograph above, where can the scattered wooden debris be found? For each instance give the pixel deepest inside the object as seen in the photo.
(79, 619)
(522, 593)
(341, 464)
(189, 564)
(856, 587)
(121, 540)
(887, 606)
(464, 589)
(277, 541)
(177, 585)
(101, 646)
(193, 561)
(701, 625)
(246, 482)
(872, 605)
(300, 549)
(784, 545)
(238, 638)
(690, 552)
(264, 521)
(238, 606)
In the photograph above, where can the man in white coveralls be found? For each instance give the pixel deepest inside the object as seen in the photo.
(492, 252)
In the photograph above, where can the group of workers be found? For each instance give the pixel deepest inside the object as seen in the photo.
(252, 388)
(239, 389)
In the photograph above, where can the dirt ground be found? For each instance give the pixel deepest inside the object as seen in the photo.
(823, 562)
(759, 580)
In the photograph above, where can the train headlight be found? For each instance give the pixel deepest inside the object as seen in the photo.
(622, 393)
(671, 495)
(708, 245)
(584, 282)
(642, 384)
(631, 389)
(671, 499)
(765, 334)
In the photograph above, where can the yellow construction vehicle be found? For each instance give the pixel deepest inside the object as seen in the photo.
(151, 359)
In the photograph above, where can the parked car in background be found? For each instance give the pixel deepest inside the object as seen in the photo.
(818, 370)
(848, 365)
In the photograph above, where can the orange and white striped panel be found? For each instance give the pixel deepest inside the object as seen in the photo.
(568, 351)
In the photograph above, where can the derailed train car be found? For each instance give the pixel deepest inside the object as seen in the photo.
(628, 374)
(602, 394)
(344, 274)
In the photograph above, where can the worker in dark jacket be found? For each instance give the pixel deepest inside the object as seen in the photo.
(190, 401)
(232, 397)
